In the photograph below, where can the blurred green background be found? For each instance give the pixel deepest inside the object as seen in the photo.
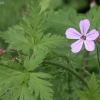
(12, 10)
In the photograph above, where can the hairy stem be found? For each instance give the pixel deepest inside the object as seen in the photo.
(68, 69)
(69, 80)
(85, 63)
(98, 57)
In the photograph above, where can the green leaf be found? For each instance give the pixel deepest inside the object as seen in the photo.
(49, 41)
(36, 20)
(16, 39)
(20, 92)
(10, 77)
(18, 84)
(92, 84)
(40, 86)
(60, 21)
(34, 61)
(91, 92)
(27, 94)
(82, 95)
(28, 36)
(44, 4)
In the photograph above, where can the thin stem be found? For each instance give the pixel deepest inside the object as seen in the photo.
(69, 80)
(98, 57)
(86, 60)
(10, 51)
(85, 63)
(68, 69)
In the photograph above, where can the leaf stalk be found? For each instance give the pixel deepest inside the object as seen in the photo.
(68, 69)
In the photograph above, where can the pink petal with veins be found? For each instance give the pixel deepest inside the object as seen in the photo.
(89, 45)
(71, 33)
(84, 26)
(92, 35)
(76, 46)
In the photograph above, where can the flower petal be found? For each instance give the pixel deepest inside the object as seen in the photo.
(84, 26)
(92, 35)
(89, 45)
(71, 33)
(76, 46)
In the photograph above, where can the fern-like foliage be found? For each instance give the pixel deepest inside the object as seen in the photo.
(28, 36)
(40, 87)
(21, 82)
(16, 40)
(91, 92)
(11, 82)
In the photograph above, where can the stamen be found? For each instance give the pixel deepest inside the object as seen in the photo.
(83, 37)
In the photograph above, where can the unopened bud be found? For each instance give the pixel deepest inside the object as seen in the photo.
(98, 40)
(2, 52)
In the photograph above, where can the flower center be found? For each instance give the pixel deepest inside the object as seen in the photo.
(83, 37)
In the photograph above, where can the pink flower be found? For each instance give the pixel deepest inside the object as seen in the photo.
(85, 37)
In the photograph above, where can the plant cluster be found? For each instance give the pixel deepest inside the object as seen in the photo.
(39, 64)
